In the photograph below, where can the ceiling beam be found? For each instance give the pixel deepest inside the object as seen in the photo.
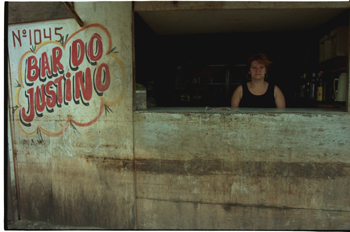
(70, 7)
(25, 12)
(140, 6)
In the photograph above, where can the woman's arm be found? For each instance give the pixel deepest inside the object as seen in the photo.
(236, 97)
(279, 98)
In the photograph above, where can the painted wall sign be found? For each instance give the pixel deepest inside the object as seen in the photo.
(63, 79)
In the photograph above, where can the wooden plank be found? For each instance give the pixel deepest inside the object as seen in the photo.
(35, 185)
(180, 215)
(270, 167)
(12, 173)
(22, 12)
(11, 156)
(94, 191)
(70, 7)
(140, 6)
(348, 87)
(75, 160)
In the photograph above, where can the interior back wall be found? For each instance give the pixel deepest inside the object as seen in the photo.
(158, 57)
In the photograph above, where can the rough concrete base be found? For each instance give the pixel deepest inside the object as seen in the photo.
(32, 225)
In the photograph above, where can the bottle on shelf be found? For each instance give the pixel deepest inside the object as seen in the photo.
(320, 87)
(307, 90)
(302, 81)
(312, 84)
(324, 90)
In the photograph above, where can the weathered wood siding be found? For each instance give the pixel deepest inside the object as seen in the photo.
(73, 169)
(242, 171)
(277, 171)
(24, 12)
(229, 5)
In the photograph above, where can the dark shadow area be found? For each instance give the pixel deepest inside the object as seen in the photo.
(204, 69)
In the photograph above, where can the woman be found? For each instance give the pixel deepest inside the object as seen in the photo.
(257, 92)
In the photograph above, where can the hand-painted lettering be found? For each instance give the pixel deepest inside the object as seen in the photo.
(45, 68)
(48, 85)
(35, 36)
(56, 60)
(59, 34)
(47, 37)
(50, 95)
(68, 89)
(96, 54)
(23, 115)
(102, 84)
(58, 83)
(83, 86)
(77, 52)
(61, 72)
(32, 69)
(16, 37)
(40, 100)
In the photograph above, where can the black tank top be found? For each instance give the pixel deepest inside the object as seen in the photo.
(267, 100)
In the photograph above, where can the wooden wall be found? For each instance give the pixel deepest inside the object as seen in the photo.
(74, 163)
(228, 5)
(24, 12)
(146, 170)
(250, 171)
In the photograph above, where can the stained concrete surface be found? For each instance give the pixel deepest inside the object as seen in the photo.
(37, 225)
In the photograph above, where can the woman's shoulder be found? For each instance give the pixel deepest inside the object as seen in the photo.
(277, 89)
(271, 86)
(239, 89)
(245, 85)
(274, 86)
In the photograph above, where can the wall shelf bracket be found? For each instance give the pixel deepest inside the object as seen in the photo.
(70, 7)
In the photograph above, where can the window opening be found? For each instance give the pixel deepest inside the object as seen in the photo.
(199, 70)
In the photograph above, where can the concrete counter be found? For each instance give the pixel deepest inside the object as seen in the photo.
(238, 110)
(242, 168)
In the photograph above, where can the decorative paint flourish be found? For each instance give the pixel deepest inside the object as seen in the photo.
(79, 76)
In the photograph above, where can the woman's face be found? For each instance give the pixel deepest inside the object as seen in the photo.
(257, 70)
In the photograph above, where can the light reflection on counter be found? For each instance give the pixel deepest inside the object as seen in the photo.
(239, 110)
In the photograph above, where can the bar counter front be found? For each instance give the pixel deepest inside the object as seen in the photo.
(210, 165)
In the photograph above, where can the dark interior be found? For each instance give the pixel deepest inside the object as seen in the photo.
(204, 69)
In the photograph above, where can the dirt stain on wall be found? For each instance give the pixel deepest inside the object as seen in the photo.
(111, 163)
(247, 169)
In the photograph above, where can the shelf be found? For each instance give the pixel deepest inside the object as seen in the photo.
(331, 105)
(336, 64)
(234, 83)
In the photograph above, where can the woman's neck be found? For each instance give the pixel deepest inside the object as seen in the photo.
(258, 87)
(258, 83)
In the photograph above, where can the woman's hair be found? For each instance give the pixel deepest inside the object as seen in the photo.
(261, 58)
